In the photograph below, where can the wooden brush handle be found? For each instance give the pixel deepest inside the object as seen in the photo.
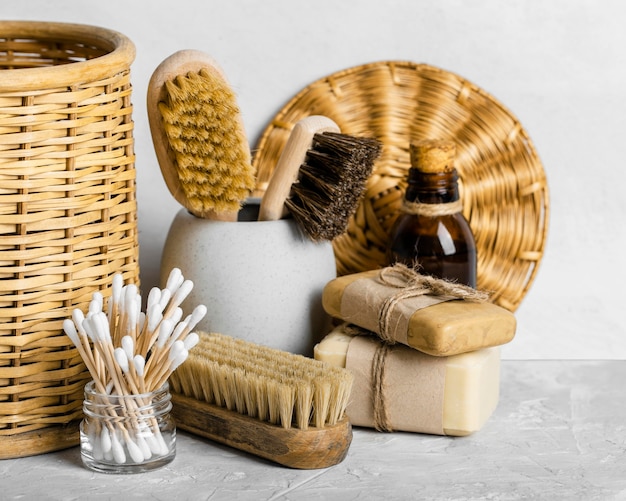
(302, 449)
(292, 157)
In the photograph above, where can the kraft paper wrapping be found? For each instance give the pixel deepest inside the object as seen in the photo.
(361, 304)
(411, 389)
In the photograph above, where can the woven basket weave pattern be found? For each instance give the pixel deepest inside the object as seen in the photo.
(503, 184)
(67, 214)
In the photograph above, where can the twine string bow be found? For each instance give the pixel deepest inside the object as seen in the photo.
(411, 284)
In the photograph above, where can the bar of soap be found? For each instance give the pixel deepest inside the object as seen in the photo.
(440, 329)
(458, 394)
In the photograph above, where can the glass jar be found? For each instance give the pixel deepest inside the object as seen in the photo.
(127, 433)
(432, 234)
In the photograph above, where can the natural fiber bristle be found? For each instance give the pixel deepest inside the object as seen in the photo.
(331, 183)
(212, 156)
(270, 385)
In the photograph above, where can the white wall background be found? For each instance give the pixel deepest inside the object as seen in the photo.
(558, 65)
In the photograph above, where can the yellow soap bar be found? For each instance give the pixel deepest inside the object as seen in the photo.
(443, 329)
(467, 396)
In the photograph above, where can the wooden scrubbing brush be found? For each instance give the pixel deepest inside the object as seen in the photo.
(320, 177)
(277, 405)
(198, 136)
(291, 158)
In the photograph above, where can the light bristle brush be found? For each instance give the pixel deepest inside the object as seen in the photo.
(198, 136)
(320, 177)
(284, 407)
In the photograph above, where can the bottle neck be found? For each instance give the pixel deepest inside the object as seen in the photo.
(432, 188)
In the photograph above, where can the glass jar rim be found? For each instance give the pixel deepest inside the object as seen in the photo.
(90, 389)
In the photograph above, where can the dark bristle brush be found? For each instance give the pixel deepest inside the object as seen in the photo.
(320, 177)
(331, 183)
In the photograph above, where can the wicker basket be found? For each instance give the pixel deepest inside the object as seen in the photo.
(504, 187)
(67, 215)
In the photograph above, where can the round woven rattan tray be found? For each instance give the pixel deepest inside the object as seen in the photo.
(503, 184)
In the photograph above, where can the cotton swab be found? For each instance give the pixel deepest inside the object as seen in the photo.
(130, 353)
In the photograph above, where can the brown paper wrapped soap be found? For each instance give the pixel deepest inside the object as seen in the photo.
(428, 314)
(397, 388)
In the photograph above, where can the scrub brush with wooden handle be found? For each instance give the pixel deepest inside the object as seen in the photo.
(320, 177)
(284, 407)
(291, 158)
(198, 136)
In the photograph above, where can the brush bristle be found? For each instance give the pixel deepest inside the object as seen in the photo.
(201, 120)
(270, 385)
(331, 183)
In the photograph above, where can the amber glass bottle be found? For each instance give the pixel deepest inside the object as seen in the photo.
(432, 232)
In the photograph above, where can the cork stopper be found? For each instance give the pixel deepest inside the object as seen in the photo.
(433, 155)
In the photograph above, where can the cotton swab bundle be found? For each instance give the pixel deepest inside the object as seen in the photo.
(132, 354)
